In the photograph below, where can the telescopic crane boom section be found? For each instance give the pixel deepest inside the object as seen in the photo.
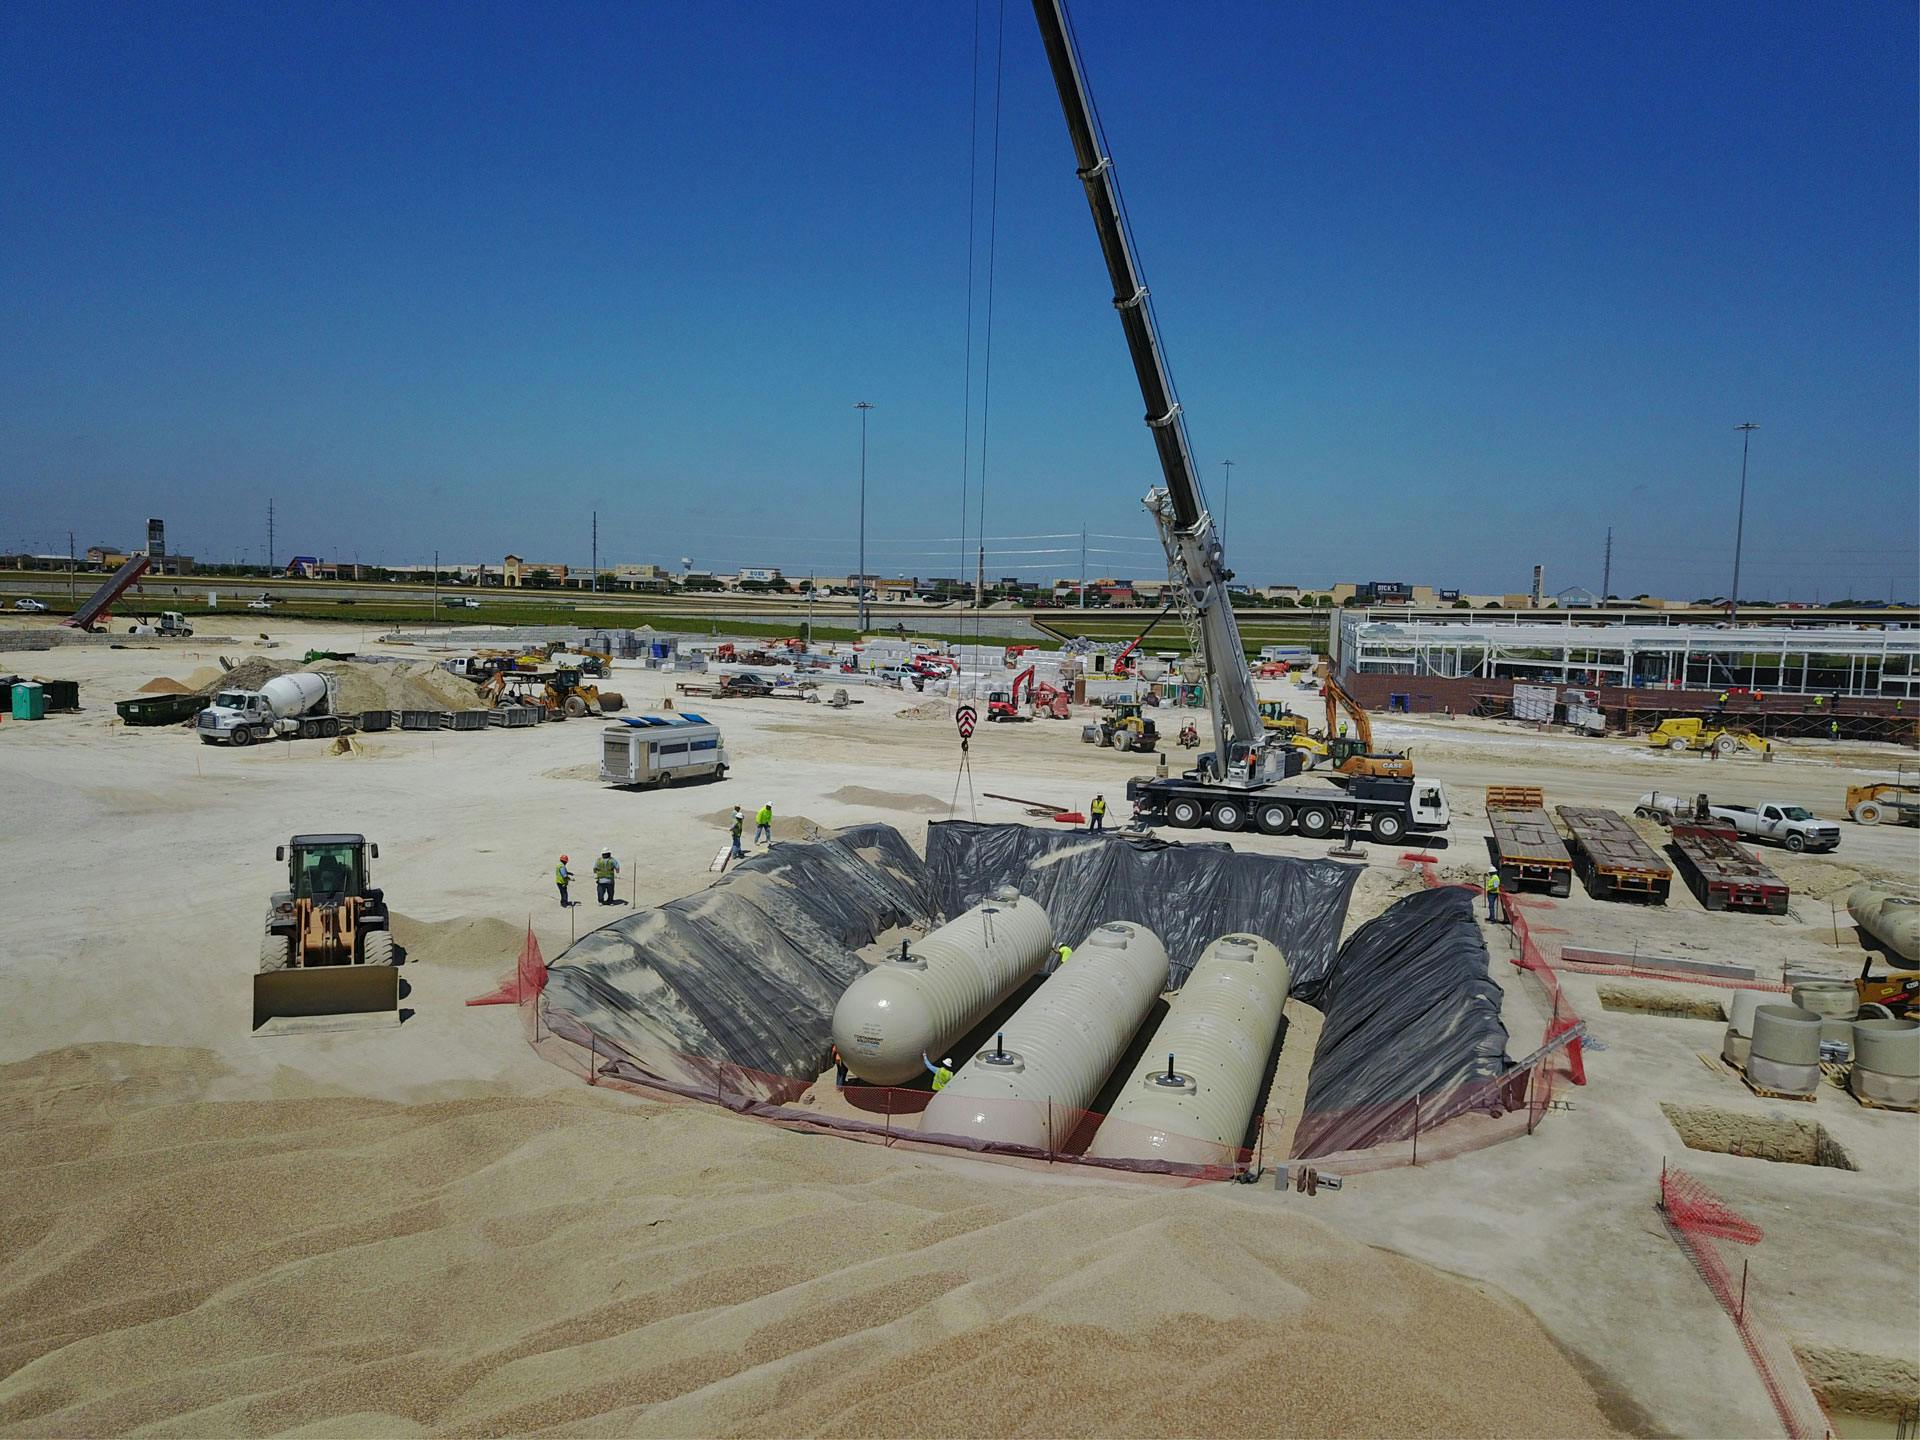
(1196, 563)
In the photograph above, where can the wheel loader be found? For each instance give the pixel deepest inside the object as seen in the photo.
(326, 957)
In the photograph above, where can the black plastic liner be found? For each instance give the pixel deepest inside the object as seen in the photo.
(1188, 895)
(1410, 1011)
(748, 970)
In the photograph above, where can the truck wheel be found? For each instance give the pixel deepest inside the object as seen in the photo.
(1185, 814)
(1676, 744)
(1227, 815)
(1643, 812)
(329, 729)
(241, 736)
(719, 772)
(1726, 744)
(276, 952)
(1388, 827)
(1273, 819)
(376, 948)
(1868, 812)
(1314, 822)
(1796, 843)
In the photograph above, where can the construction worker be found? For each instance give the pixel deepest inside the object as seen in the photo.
(1492, 887)
(739, 824)
(1343, 729)
(605, 870)
(942, 1073)
(839, 1069)
(563, 877)
(763, 826)
(1097, 815)
(1062, 953)
(1833, 729)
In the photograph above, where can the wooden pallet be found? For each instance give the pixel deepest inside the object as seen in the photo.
(1883, 1105)
(1766, 1094)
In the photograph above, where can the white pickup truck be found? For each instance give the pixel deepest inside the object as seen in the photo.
(1793, 826)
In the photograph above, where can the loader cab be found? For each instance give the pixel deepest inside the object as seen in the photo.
(323, 866)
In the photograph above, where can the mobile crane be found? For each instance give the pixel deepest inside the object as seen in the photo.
(1241, 779)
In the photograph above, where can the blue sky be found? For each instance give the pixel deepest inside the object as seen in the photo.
(1456, 287)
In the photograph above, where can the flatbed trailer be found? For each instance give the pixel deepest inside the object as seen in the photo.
(1723, 875)
(1529, 851)
(1610, 858)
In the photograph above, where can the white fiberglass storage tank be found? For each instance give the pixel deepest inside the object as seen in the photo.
(920, 1001)
(1056, 1051)
(1219, 1032)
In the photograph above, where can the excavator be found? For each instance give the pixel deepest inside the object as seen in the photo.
(1043, 699)
(1354, 754)
(326, 957)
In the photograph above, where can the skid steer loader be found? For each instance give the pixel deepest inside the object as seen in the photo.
(326, 959)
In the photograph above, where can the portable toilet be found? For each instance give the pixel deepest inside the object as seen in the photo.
(29, 701)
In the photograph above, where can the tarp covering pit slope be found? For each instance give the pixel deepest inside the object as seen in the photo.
(1410, 1011)
(748, 970)
(1189, 895)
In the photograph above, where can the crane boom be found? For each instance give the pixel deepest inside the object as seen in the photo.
(1196, 561)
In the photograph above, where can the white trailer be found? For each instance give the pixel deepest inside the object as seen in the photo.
(660, 749)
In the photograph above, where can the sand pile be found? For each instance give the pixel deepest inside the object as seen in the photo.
(927, 710)
(363, 684)
(482, 943)
(785, 827)
(886, 800)
(163, 685)
(580, 1259)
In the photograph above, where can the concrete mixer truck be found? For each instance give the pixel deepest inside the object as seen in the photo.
(299, 705)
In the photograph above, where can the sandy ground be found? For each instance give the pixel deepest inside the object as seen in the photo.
(440, 1257)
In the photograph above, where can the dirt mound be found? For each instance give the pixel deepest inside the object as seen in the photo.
(585, 1261)
(887, 800)
(927, 710)
(785, 827)
(163, 685)
(363, 684)
(480, 944)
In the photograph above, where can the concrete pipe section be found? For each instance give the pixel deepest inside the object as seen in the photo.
(1056, 1050)
(1740, 1010)
(1195, 1106)
(1785, 1055)
(922, 1001)
(1886, 1062)
(1829, 999)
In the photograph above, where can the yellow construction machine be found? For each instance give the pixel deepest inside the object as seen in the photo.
(560, 692)
(1693, 733)
(1895, 802)
(327, 958)
(1354, 754)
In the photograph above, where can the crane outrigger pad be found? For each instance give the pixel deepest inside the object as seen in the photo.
(301, 1001)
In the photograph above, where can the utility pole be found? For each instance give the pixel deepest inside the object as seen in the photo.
(1606, 570)
(70, 599)
(1740, 522)
(1226, 502)
(269, 535)
(593, 578)
(436, 587)
(863, 407)
(1083, 567)
(980, 580)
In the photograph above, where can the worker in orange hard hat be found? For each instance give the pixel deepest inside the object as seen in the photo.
(563, 877)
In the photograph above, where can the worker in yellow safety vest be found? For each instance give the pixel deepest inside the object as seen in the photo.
(563, 877)
(606, 870)
(1098, 815)
(763, 825)
(942, 1073)
(1492, 886)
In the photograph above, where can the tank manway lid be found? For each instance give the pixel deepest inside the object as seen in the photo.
(1010, 1060)
(1005, 894)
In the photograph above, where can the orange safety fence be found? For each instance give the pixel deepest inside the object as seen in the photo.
(1696, 1218)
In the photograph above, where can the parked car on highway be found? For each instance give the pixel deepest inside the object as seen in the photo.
(261, 604)
(37, 607)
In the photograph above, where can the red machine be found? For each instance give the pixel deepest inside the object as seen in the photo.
(1045, 700)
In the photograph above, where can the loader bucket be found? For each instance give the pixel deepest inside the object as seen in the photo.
(325, 997)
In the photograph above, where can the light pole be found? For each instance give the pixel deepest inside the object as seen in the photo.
(1226, 502)
(1740, 522)
(863, 407)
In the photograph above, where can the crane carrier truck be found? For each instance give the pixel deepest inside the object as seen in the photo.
(1243, 779)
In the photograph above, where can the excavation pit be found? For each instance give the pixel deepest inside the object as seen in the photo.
(1662, 1004)
(1754, 1136)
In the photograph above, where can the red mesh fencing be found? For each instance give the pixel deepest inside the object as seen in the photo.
(527, 979)
(1696, 1218)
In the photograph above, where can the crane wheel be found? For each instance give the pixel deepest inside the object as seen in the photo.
(1273, 819)
(1868, 812)
(276, 952)
(376, 948)
(1227, 815)
(1185, 814)
(1314, 822)
(1388, 827)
